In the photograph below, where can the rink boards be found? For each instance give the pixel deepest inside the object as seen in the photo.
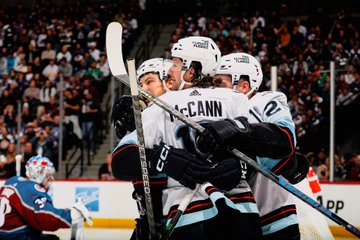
(111, 204)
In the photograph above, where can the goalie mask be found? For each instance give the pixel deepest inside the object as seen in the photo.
(239, 64)
(122, 116)
(40, 170)
(197, 49)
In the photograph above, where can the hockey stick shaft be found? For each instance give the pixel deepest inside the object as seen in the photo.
(116, 67)
(141, 143)
(179, 212)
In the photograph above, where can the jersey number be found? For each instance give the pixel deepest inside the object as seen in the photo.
(273, 108)
(5, 208)
(40, 202)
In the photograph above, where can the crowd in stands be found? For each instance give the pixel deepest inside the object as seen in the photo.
(301, 48)
(40, 45)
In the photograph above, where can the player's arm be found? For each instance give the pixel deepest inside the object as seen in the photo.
(161, 159)
(256, 139)
(272, 137)
(36, 208)
(125, 162)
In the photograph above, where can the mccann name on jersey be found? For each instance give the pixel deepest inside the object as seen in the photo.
(206, 108)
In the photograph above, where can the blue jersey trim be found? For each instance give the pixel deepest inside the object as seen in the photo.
(190, 218)
(280, 224)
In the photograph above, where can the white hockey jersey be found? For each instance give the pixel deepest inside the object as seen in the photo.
(276, 205)
(202, 105)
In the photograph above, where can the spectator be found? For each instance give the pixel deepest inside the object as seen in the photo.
(90, 114)
(5, 139)
(65, 68)
(30, 130)
(94, 52)
(105, 172)
(28, 151)
(36, 66)
(64, 53)
(322, 171)
(47, 93)
(26, 117)
(42, 145)
(72, 111)
(355, 171)
(10, 117)
(48, 53)
(103, 65)
(32, 53)
(345, 97)
(32, 93)
(51, 70)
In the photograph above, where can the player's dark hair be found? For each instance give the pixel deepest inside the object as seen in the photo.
(245, 77)
(197, 68)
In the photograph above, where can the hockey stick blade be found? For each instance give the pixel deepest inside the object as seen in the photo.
(273, 177)
(114, 52)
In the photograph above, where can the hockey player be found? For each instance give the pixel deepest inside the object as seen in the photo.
(195, 60)
(152, 77)
(270, 137)
(27, 209)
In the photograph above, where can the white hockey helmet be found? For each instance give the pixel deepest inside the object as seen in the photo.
(154, 65)
(197, 48)
(41, 170)
(238, 64)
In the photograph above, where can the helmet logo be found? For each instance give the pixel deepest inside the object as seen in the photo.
(201, 44)
(242, 59)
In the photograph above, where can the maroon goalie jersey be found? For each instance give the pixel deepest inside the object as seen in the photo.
(26, 210)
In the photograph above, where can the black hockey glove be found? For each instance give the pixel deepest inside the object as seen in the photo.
(228, 173)
(224, 133)
(296, 169)
(178, 164)
(122, 116)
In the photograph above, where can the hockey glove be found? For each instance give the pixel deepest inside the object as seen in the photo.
(79, 212)
(296, 169)
(224, 133)
(228, 173)
(178, 164)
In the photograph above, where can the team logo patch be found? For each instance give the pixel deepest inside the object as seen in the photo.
(39, 188)
(242, 59)
(89, 196)
(201, 44)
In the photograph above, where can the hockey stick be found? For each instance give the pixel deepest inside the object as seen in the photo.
(141, 143)
(270, 175)
(114, 53)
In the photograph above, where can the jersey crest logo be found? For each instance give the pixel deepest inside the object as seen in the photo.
(39, 188)
(195, 93)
